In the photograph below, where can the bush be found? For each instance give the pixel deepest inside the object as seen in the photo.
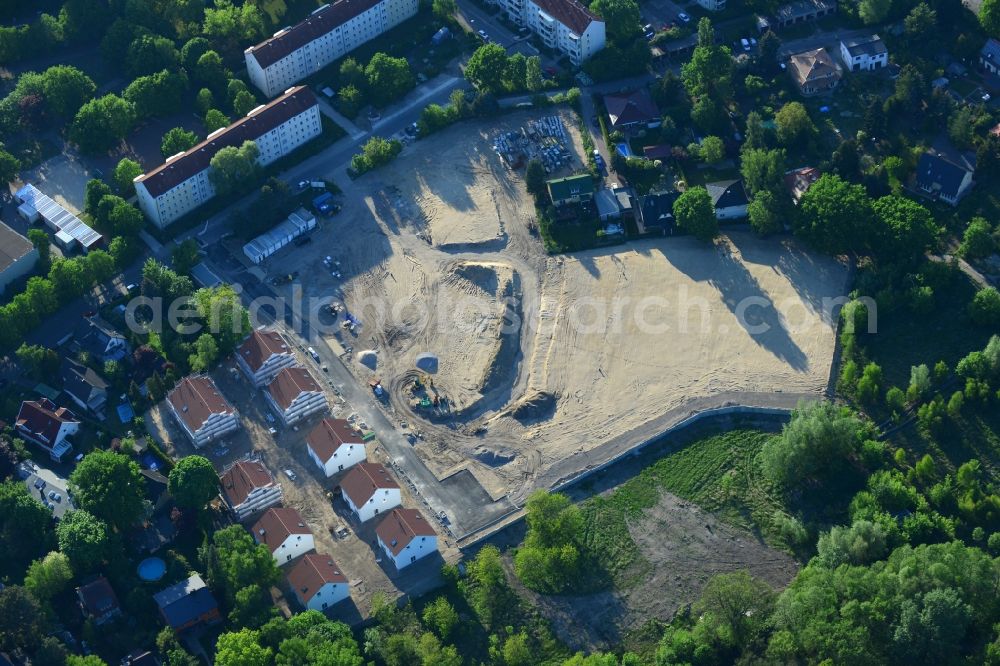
(985, 307)
(375, 153)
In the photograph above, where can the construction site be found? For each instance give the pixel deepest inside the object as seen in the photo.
(529, 370)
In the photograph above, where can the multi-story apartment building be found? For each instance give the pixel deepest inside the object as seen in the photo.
(201, 410)
(565, 25)
(294, 394)
(263, 355)
(181, 184)
(330, 32)
(248, 487)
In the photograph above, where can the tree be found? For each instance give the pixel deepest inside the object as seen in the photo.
(95, 191)
(88, 660)
(534, 179)
(710, 70)
(159, 94)
(229, 25)
(549, 560)
(110, 486)
(695, 214)
(763, 171)
(533, 74)
(124, 218)
(375, 153)
(977, 242)
(193, 482)
(25, 525)
(185, 256)
(440, 616)
(353, 74)
(487, 67)
(738, 605)
(178, 140)
(985, 307)
(244, 103)
(817, 440)
(215, 119)
(49, 576)
(233, 561)
(192, 50)
(834, 215)
(712, 150)
(350, 100)
(125, 172)
(39, 361)
(621, 18)
(920, 24)
(10, 166)
(65, 89)
(444, 9)
(874, 11)
(906, 229)
(211, 73)
(84, 538)
(22, 621)
(794, 126)
(101, 123)
(252, 607)
(234, 168)
(388, 78)
(764, 214)
(989, 17)
(150, 53)
(40, 240)
(241, 648)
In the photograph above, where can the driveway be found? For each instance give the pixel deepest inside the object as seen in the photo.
(34, 475)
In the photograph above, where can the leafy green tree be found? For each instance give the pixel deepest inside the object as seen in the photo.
(109, 486)
(25, 525)
(222, 311)
(533, 74)
(177, 140)
(10, 166)
(39, 361)
(41, 241)
(874, 11)
(101, 123)
(440, 616)
(487, 67)
(211, 72)
(85, 539)
(710, 69)
(252, 607)
(444, 9)
(534, 179)
(204, 101)
(65, 89)
(486, 589)
(695, 214)
(185, 256)
(88, 660)
(738, 605)
(764, 213)
(985, 307)
(242, 648)
(989, 17)
(95, 191)
(150, 53)
(48, 576)
(192, 50)
(920, 25)
(229, 25)
(977, 242)
(712, 150)
(124, 173)
(215, 119)
(814, 444)
(244, 103)
(375, 153)
(235, 561)
(906, 229)
(920, 383)
(22, 622)
(193, 482)
(388, 78)
(863, 542)
(234, 168)
(51, 652)
(835, 216)
(621, 18)
(550, 559)
(794, 126)
(353, 74)
(158, 94)
(763, 170)
(870, 384)
(350, 100)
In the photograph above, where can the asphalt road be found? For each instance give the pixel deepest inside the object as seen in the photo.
(476, 18)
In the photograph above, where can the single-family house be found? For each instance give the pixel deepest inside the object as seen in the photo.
(405, 536)
(864, 54)
(571, 189)
(940, 178)
(285, 534)
(187, 604)
(370, 490)
(295, 395)
(98, 601)
(248, 487)
(334, 446)
(802, 11)
(203, 413)
(84, 386)
(633, 110)
(989, 56)
(814, 71)
(729, 198)
(656, 212)
(798, 181)
(48, 426)
(613, 203)
(263, 355)
(318, 582)
(101, 341)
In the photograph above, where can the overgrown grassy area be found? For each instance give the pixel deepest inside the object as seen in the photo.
(720, 473)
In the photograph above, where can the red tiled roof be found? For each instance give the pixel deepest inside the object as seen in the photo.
(329, 435)
(400, 527)
(570, 13)
(315, 26)
(276, 525)
(243, 478)
(43, 419)
(260, 346)
(171, 174)
(196, 398)
(289, 384)
(312, 572)
(364, 479)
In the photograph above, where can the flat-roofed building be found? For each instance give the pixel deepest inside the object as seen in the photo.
(17, 256)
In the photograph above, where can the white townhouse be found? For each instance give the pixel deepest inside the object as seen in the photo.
(263, 355)
(181, 184)
(48, 426)
(317, 582)
(284, 533)
(334, 446)
(201, 410)
(295, 395)
(864, 54)
(248, 487)
(565, 25)
(369, 490)
(405, 536)
(329, 33)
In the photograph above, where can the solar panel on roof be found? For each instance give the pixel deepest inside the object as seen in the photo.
(58, 217)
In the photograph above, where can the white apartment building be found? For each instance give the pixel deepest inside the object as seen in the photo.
(565, 25)
(334, 446)
(318, 582)
(295, 395)
(263, 355)
(248, 487)
(201, 410)
(405, 536)
(329, 33)
(284, 533)
(181, 184)
(369, 490)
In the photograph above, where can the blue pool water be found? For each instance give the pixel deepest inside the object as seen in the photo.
(152, 569)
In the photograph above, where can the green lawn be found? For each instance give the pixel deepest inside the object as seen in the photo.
(719, 473)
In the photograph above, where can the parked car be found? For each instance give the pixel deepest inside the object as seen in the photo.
(482, 34)
(745, 44)
(684, 17)
(291, 475)
(312, 352)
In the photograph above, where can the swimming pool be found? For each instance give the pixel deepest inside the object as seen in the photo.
(151, 569)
